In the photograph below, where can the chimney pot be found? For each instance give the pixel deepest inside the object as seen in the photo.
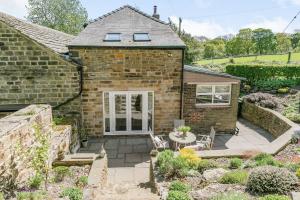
(155, 15)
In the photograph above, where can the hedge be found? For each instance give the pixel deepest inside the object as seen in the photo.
(263, 72)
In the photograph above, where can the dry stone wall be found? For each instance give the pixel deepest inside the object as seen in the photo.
(17, 133)
(265, 118)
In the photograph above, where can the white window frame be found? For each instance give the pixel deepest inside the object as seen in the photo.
(213, 93)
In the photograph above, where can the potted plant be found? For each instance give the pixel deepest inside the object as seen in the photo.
(184, 130)
(84, 139)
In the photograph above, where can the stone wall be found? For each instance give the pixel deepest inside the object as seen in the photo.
(265, 118)
(117, 69)
(17, 134)
(32, 74)
(201, 118)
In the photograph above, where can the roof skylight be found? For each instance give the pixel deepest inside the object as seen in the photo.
(113, 37)
(141, 37)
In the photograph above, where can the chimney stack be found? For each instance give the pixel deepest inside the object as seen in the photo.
(155, 15)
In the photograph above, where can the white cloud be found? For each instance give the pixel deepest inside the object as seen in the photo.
(14, 7)
(206, 28)
(277, 24)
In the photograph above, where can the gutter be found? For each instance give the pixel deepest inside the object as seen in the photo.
(182, 85)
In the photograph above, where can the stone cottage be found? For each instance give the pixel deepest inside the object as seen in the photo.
(130, 67)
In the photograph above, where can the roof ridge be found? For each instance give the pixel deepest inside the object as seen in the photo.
(132, 8)
(33, 24)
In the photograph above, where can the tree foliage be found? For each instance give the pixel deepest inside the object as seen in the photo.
(283, 43)
(265, 41)
(68, 16)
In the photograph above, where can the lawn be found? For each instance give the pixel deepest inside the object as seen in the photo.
(249, 59)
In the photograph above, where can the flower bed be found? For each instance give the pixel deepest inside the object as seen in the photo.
(185, 176)
(64, 182)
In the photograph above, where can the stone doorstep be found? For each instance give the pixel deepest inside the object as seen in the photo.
(78, 159)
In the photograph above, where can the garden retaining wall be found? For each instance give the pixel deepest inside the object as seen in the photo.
(265, 118)
(17, 136)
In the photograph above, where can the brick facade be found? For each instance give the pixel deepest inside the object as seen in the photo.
(117, 69)
(201, 118)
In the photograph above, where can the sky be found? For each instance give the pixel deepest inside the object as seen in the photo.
(210, 18)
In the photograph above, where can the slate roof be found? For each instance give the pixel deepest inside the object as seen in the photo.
(198, 69)
(53, 39)
(128, 20)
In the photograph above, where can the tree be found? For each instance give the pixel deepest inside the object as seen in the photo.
(264, 40)
(64, 15)
(244, 41)
(193, 46)
(283, 42)
(233, 47)
(295, 38)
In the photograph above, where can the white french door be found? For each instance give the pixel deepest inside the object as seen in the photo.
(128, 112)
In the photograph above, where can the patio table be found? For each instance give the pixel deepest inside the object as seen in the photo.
(180, 139)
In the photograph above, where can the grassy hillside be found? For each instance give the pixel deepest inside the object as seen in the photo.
(250, 59)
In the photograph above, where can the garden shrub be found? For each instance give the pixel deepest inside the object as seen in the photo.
(263, 99)
(190, 156)
(254, 72)
(292, 166)
(235, 177)
(275, 84)
(1, 196)
(179, 186)
(72, 193)
(31, 195)
(177, 195)
(265, 159)
(274, 197)
(36, 181)
(270, 179)
(60, 173)
(164, 161)
(298, 173)
(231, 196)
(284, 90)
(172, 166)
(205, 164)
(82, 181)
(235, 163)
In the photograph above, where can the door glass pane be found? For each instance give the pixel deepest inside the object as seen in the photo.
(150, 110)
(106, 112)
(136, 112)
(120, 107)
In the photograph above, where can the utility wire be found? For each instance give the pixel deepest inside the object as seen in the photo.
(291, 22)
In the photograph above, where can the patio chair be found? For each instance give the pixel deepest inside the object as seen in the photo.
(159, 142)
(206, 141)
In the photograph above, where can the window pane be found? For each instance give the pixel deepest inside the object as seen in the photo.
(204, 99)
(113, 37)
(221, 98)
(222, 89)
(141, 37)
(150, 106)
(106, 112)
(204, 89)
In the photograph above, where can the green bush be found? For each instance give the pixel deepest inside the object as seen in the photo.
(265, 159)
(231, 196)
(292, 166)
(274, 197)
(82, 181)
(30, 195)
(270, 179)
(1, 196)
(179, 186)
(204, 165)
(171, 166)
(60, 173)
(235, 163)
(72, 193)
(235, 177)
(275, 84)
(36, 181)
(177, 195)
(263, 72)
(284, 90)
(163, 161)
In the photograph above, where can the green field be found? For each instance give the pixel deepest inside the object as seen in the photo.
(254, 59)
